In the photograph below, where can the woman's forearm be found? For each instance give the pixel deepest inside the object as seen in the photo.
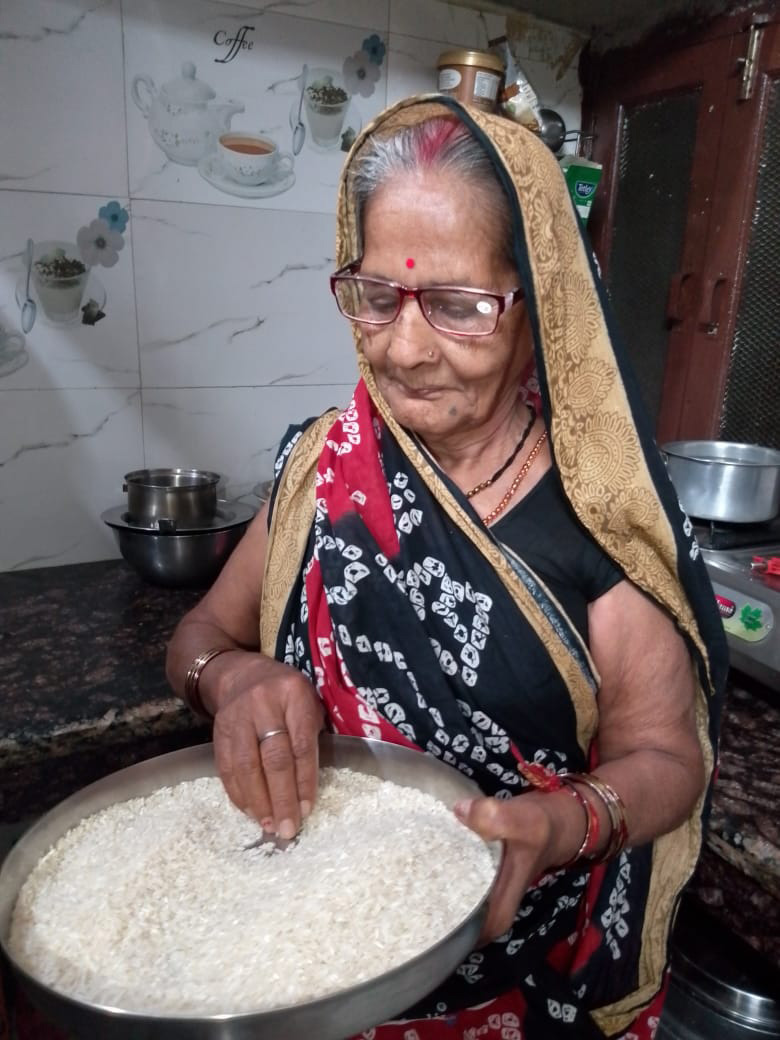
(194, 636)
(659, 790)
(227, 616)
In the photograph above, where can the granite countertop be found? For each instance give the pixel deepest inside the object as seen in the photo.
(745, 823)
(82, 683)
(83, 693)
(738, 878)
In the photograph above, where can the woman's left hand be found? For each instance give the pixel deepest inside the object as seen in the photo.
(539, 831)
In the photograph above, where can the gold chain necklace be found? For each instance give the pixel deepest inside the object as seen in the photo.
(491, 516)
(505, 465)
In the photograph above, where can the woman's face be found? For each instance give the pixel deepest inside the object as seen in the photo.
(445, 228)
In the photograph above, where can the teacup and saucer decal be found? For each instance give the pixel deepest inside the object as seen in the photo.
(248, 165)
(251, 159)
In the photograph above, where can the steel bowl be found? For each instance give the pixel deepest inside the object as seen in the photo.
(180, 559)
(176, 496)
(331, 1018)
(725, 481)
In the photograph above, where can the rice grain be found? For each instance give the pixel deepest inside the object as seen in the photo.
(154, 905)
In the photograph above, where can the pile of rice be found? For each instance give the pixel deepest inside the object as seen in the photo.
(155, 906)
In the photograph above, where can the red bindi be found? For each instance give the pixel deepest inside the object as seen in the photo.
(410, 263)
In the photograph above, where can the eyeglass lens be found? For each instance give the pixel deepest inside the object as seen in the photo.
(450, 310)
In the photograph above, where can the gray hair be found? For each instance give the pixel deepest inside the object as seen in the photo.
(441, 144)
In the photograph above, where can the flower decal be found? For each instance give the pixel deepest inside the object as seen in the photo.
(99, 244)
(374, 48)
(360, 74)
(115, 216)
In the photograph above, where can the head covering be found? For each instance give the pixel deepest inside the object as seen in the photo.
(600, 434)
(602, 445)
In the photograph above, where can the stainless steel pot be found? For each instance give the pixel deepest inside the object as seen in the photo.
(331, 1018)
(721, 480)
(720, 988)
(171, 497)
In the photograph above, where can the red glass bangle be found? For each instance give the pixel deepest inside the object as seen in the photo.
(590, 841)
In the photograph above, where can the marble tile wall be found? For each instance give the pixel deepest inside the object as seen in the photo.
(202, 325)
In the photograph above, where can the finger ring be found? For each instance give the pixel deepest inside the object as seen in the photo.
(269, 733)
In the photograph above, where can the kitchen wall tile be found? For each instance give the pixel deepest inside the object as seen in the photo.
(234, 431)
(218, 305)
(445, 23)
(56, 353)
(62, 106)
(234, 297)
(265, 81)
(411, 67)
(368, 13)
(63, 454)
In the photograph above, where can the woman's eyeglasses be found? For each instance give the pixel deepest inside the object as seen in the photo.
(451, 309)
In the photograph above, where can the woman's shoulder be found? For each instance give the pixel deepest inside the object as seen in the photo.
(294, 434)
(289, 439)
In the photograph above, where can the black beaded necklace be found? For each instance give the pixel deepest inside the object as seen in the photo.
(505, 465)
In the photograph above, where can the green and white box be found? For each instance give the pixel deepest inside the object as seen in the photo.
(582, 177)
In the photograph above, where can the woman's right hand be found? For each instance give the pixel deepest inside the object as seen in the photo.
(273, 779)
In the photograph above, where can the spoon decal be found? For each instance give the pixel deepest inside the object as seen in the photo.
(299, 130)
(29, 308)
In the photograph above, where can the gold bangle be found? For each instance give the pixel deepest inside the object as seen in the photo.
(191, 695)
(616, 811)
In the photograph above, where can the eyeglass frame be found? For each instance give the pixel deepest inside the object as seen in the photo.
(504, 301)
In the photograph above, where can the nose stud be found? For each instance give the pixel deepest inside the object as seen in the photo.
(430, 353)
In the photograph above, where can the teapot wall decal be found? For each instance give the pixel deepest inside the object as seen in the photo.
(185, 116)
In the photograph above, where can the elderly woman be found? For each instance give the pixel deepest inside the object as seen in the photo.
(482, 557)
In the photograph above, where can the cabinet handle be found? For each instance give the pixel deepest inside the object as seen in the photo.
(677, 298)
(712, 304)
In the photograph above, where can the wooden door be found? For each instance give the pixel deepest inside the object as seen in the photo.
(733, 388)
(690, 241)
(657, 116)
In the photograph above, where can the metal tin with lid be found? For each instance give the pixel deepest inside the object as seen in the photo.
(473, 77)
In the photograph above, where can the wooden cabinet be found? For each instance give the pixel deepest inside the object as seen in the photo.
(686, 223)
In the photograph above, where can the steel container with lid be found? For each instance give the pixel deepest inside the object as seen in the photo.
(473, 77)
(179, 497)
